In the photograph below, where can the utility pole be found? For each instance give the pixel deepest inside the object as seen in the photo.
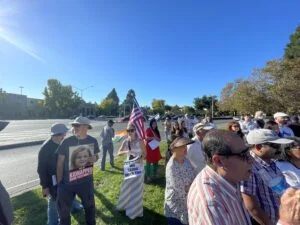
(21, 87)
(212, 106)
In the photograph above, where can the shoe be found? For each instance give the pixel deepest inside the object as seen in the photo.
(77, 209)
(148, 180)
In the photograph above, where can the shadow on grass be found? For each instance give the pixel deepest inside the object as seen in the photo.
(119, 217)
(29, 209)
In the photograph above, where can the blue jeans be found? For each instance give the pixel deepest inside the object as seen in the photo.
(65, 197)
(110, 149)
(52, 213)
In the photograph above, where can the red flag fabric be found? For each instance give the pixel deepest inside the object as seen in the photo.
(137, 118)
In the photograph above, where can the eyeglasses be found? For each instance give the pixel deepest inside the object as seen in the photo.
(295, 146)
(243, 155)
(273, 145)
(130, 130)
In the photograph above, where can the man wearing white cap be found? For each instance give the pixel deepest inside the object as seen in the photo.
(194, 151)
(76, 156)
(259, 195)
(282, 119)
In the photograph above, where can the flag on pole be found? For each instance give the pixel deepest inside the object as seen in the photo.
(137, 119)
(119, 136)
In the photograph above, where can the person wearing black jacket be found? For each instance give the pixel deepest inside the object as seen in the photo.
(47, 171)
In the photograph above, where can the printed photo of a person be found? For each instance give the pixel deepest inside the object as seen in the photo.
(81, 158)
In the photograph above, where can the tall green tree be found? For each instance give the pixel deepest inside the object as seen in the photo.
(110, 105)
(127, 104)
(60, 101)
(292, 50)
(204, 104)
(158, 106)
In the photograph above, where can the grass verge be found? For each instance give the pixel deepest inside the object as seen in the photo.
(30, 207)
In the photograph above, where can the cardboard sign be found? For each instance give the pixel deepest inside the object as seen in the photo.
(133, 168)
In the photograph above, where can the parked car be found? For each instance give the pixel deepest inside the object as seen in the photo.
(73, 117)
(91, 117)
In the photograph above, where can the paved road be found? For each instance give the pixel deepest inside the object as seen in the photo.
(18, 166)
(20, 131)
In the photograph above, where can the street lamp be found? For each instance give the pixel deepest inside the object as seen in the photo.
(83, 89)
(21, 87)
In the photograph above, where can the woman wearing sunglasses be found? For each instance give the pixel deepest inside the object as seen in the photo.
(289, 163)
(132, 201)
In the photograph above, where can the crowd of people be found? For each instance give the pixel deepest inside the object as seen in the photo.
(246, 174)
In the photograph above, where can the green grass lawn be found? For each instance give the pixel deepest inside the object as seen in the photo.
(30, 207)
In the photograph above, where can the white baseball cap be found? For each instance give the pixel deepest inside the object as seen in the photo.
(280, 114)
(261, 136)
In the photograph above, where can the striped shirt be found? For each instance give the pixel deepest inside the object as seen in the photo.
(213, 200)
(267, 199)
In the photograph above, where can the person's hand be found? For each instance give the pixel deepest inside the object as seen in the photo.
(289, 212)
(45, 192)
(92, 159)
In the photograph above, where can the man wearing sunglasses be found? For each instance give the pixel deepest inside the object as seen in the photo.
(214, 196)
(260, 200)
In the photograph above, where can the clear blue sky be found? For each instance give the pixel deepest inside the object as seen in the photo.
(166, 49)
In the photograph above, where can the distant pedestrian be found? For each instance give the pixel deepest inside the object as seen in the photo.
(167, 127)
(295, 126)
(282, 120)
(235, 127)
(194, 151)
(247, 124)
(289, 163)
(107, 135)
(153, 151)
(78, 181)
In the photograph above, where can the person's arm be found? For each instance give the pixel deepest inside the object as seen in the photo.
(122, 148)
(255, 211)
(60, 168)
(42, 171)
(143, 148)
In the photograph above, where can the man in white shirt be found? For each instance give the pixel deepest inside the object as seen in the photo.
(282, 119)
(247, 125)
(194, 151)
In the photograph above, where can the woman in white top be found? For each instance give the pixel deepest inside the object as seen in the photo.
(131, 194)
(289, 164)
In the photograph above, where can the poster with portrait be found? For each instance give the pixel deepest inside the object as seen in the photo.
(80, 161)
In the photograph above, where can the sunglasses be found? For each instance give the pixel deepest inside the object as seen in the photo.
(295, 146)
(131, 130)
(76, 125)
(273, 145)
(243, 155)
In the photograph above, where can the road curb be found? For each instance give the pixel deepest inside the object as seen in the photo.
(19, 145)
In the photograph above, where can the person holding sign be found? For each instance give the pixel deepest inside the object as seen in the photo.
(152, 147)
(131, 194)
(74, 172)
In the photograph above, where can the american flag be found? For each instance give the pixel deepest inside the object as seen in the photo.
(137, 118)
